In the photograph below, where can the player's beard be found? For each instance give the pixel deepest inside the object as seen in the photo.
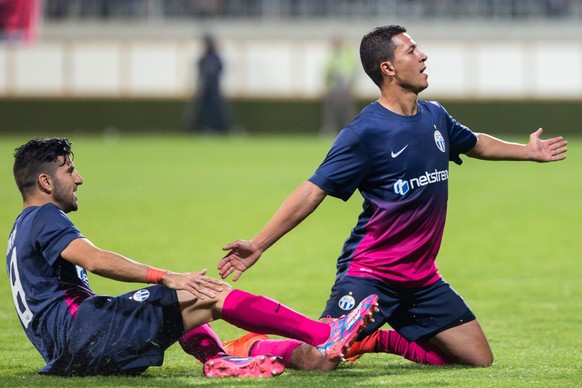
(64, 197)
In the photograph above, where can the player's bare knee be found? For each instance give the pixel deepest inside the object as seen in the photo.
(487, 361)
(480, 361)
(226, 289)
(218, 301)
(189, 303)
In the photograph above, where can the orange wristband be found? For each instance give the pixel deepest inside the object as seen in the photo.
(155, 275)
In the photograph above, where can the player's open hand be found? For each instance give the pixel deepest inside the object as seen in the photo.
(242, 256)
(550, 150)
(195, 283)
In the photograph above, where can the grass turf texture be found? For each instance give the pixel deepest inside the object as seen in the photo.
(511, 248)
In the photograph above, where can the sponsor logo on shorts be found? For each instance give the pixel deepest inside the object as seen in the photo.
(141, 295)
(347, 302)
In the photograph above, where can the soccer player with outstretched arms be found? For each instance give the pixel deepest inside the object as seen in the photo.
(396, 153)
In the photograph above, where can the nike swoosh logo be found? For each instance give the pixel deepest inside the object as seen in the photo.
(395, 154)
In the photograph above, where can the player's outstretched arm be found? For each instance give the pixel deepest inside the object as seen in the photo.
(115, 266)
(241, 256)
(244, 254)
(537, 150)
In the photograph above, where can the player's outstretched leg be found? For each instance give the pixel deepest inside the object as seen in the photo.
(257, 366)
(258, 314)
(345, 330)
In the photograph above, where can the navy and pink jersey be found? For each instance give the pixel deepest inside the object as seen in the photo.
(400, 165)
(46, 289)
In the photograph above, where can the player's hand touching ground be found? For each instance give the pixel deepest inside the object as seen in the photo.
(242, 256)
(195, 283)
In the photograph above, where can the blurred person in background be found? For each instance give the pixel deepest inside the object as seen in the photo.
(338, 100)
(207, 113)
(396, 152)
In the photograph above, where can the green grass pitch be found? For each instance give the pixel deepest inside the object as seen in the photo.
(512, 248)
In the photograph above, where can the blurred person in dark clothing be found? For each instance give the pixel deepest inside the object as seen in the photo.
(208, 112)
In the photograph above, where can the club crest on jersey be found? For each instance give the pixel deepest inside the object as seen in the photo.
(347, 302)
(439, 140)
(141, 295)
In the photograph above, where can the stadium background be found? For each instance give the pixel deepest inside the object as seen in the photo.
(512, 238)
(92, 66)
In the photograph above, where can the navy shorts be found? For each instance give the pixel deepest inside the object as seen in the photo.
(415, 313)
(122, 335)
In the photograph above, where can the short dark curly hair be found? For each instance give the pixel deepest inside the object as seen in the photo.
(377, 47)
(38, 156)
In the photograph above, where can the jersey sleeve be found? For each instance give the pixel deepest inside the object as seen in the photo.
(52, 232)
(461, 138)
(344, 167)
